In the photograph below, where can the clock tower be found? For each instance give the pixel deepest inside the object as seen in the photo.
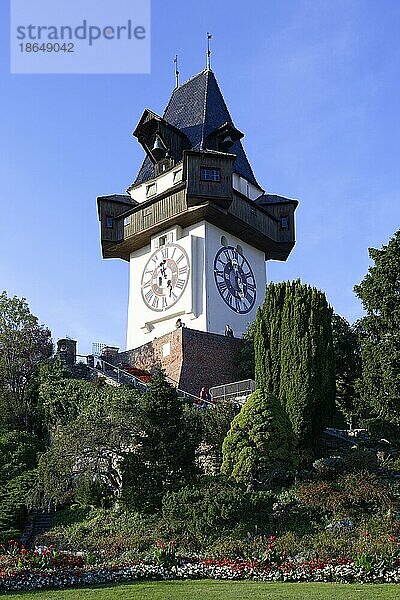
(195, 225)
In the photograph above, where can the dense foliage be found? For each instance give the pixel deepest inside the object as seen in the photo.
(93, 446)
(202, 513)
(138, 476)
(164, 457)
(294, 357)
(347, 353)
(24, 344)
(260, 442)
(379, 292)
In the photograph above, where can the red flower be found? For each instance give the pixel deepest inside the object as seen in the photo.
(392, 539)
(272, 538)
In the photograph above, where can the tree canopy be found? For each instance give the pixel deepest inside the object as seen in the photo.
(165, 454)
(24, 344)
(379, 330)
(93, 445)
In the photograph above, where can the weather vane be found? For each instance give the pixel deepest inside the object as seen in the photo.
(209, 36)
(176, 71)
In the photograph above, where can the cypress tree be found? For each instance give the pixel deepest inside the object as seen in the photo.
(294, 358)
(295, 376)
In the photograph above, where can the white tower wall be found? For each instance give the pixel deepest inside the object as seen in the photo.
(200, 306)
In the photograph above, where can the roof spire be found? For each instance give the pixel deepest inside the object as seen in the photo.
(209, 36)
(176, 71)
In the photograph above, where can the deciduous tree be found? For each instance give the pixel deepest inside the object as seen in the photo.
(347, 352)
(379, 292)
(24, 344)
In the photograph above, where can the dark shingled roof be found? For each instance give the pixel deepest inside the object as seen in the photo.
(197, 108)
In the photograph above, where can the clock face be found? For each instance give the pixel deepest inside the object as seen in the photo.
(165, 277)
(234, 279)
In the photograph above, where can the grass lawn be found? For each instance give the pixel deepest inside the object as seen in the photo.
(219, 590)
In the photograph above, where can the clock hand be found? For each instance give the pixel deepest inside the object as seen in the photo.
(162, 269)
(238, 277)
(239, 282)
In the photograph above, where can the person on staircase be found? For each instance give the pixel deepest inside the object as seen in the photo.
(203, 397)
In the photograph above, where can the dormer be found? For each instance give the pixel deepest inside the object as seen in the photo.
(223, 138)
(196, 118)
(162, 142)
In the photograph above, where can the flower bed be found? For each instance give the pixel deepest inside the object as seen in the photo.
(22, 570)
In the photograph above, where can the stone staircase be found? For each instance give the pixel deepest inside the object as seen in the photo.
(38, 522)
(115, 375)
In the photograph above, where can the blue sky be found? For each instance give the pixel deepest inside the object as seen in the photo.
(314, 85)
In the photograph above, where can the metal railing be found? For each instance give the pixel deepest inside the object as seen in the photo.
(121, 376)
(236, 392)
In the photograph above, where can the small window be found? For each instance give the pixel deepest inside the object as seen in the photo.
(109, 222)
(163, 240)
(127, 221)
(210, 174)
(224, 241)
(178, 176)
(151, 190)
(239, 249)
(284, 222)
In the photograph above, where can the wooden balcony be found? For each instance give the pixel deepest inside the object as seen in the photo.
(268, 223)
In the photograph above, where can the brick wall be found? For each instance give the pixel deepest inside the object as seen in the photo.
(209, 359)
(191, 358)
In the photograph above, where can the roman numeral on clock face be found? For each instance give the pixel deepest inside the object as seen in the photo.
(222, 286)
(148, 295)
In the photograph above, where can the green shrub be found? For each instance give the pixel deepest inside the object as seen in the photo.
(14, 500)
(93, 493)
(107, 533)
(199, 514)
(289, 514)
(329, 467)
(229, 548)
(351, 494)
(360, 459)
(394, 465)
(260, 443)
(373, 537)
